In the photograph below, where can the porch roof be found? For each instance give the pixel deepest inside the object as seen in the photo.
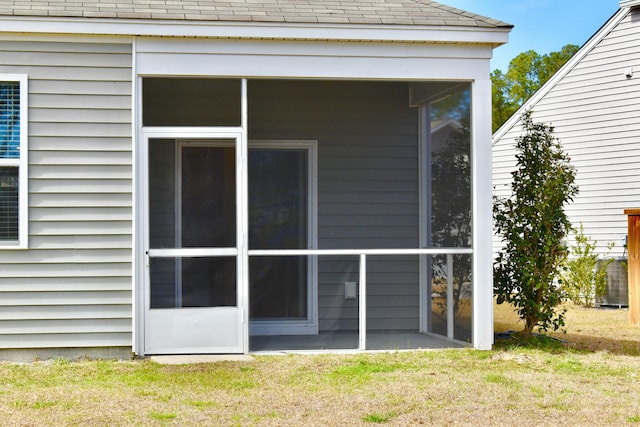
(371, 12)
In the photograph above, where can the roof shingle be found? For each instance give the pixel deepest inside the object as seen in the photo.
(388, 12)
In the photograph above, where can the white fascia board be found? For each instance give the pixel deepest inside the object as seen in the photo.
(559, 75)
(254, 30)
(629, 3)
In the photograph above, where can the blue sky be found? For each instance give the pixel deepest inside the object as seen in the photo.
(542, 25)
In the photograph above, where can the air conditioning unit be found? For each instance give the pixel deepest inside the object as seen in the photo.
(617, 293)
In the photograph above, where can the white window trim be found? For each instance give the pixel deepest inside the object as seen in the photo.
(22, 165)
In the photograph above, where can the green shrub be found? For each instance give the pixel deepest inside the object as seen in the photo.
(532, 225)
(585, 277)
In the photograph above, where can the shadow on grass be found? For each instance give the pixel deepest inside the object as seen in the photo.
(511, 340)
(588, 330)
(594, 343)
(567, 342)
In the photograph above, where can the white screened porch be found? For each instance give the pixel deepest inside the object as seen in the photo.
(316, 209)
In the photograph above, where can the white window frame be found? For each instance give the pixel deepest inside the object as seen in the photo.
(22, 164)
(308, 326)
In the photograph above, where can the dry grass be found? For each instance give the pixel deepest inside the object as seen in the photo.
(594, 381)
(587, 329)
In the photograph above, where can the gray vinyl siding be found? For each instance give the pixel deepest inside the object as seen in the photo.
(594, 109)
(72, 287)
(367, 188)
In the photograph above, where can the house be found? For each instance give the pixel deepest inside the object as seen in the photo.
(214, 177)
(592, 103)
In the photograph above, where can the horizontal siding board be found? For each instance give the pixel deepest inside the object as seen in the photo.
(375, 263)
(38, 86)
(339, 242)
(79, 115)
(92, 339)
(400, 151)
(67, 326)
(80, 172)
(81, 185)
(62, 256)
(365, 198)
(91, 101)
(380, 161)
(392, 325)
(372, 313)
(35, 46)
(69, 73)
(111, 311)
(82, 228)
(359, 209)
(67, 200)
(331, 325)
(377, 186)
(65, 298)
(359, 174)
(57, 271)
(81, 129)
(333, 287)
(80, 214)
(112, 241)
(70, 144)
(66, 59)
(373, 219)
(84, 158)
(369, 234)
(90, 284)
(391, 299)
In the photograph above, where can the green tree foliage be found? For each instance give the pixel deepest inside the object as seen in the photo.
(532, 224)
(502, 106)
(583, 279)
(527, 72)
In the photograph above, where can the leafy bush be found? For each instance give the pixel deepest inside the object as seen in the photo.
(532, 225)
(583, 279)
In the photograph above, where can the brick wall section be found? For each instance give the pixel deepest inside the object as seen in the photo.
(392, 12)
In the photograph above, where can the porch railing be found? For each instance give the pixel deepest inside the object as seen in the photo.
(362, 254)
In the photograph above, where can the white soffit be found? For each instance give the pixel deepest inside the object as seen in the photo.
(253, 30)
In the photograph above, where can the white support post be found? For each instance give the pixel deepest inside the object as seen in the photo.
(243, 221)
(362, 303)
(450, 313)
(482, 312)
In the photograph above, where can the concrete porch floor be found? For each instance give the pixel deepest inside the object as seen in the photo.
(391, 340)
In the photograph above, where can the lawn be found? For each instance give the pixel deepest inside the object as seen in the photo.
(592, 380)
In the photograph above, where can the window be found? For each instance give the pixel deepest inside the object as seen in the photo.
(13, 161)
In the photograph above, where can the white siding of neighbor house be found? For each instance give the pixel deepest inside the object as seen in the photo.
(594, 109)
(72, 287)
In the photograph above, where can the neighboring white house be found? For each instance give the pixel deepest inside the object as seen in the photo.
(593, 102)
(215, 177)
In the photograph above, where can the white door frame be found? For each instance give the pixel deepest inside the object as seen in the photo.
(161, 324)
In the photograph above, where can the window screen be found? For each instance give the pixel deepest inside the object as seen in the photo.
(191, 102)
